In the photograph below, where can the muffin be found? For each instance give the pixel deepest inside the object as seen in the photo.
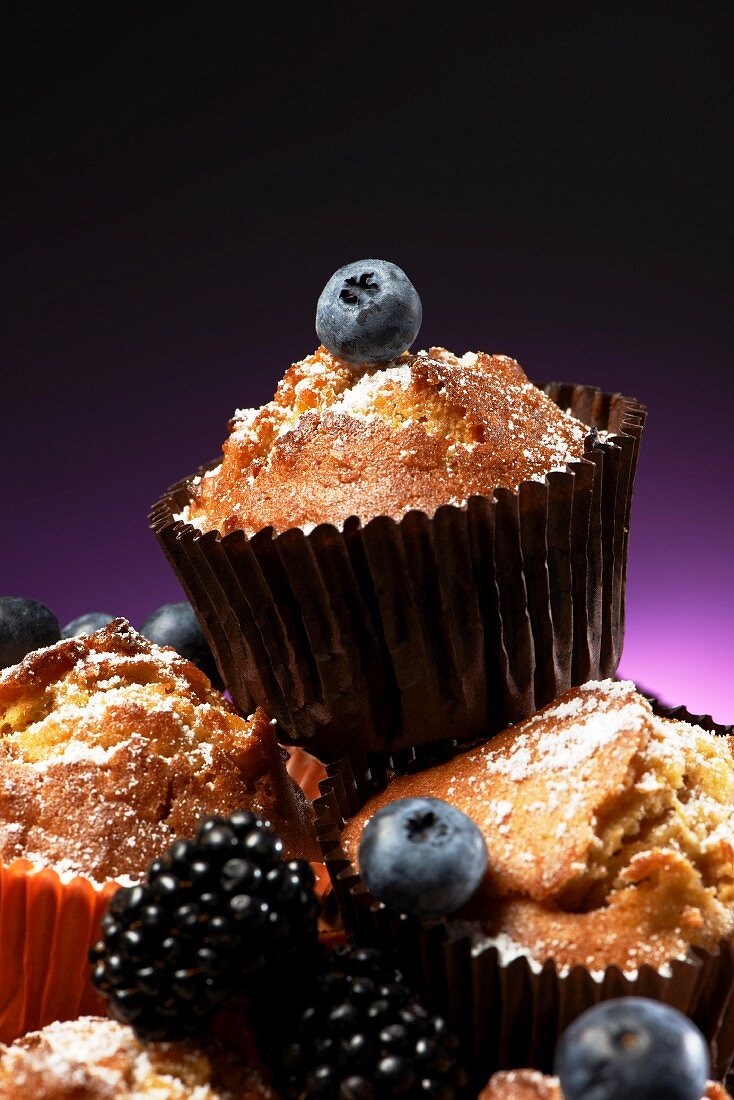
(528, 1084)
(96, 1059)
(110, 747)
(610, 831)
(391, 554)
(610, 834)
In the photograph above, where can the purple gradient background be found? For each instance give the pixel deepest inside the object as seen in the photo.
(176, 196)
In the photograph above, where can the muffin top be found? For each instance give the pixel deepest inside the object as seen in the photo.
(528, 1084)
(97, 1059)
(610, 832)
(111, 746)
(420, 431)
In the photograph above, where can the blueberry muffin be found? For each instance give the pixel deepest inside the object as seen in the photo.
(111, 746)
(404, 548)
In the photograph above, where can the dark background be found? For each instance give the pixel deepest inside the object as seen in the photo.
(180, 181)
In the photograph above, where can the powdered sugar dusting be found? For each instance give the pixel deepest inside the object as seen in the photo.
(568, 749)
(340, 439)
(101, 1059)
(111, 746)
(359, 400)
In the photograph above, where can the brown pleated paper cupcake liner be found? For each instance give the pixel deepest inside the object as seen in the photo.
(392, 634)
(509, 1014)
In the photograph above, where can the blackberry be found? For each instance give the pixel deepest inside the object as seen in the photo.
(360, 1034)
(215, 919)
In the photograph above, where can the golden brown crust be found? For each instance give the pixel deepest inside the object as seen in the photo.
(110, 747)
(422, 431)
(610, 831)
(97, 1059)
(521, 1084)
(528, 1084)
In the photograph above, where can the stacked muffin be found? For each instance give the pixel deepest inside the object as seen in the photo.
(404, 552)
(390, 554)
(414, 565)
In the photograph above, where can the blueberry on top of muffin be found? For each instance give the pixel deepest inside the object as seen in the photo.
(365, 427)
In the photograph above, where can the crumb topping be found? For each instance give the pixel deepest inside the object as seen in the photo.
(521, 1084)
(96, 1059)
(421, 431)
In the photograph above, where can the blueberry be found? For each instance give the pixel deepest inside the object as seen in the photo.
(422, 856)
(632, 1047)
(86, 624)
(24, 625)
(175, 624)
(368, 312)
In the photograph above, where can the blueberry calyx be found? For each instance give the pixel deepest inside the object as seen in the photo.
(358, 289)
(424, 826)
(369, 312)
(422, 856)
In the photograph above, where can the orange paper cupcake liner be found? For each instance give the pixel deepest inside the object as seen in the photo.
(308, 773)
(305, 770)
(46, 929)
